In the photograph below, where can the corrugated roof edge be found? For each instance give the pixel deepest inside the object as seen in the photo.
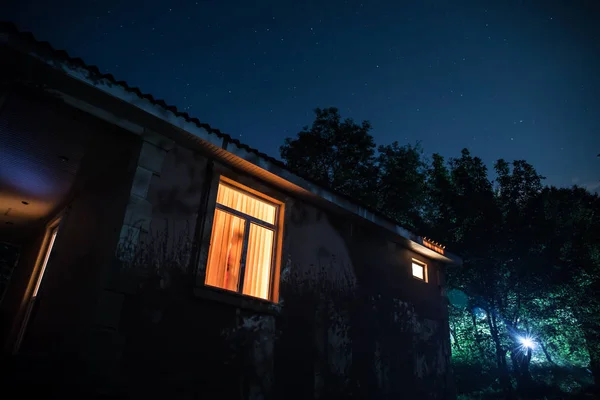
(63, 56)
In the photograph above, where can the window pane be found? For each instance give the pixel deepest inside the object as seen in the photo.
(225, 251)
(418, 271)
(249, 205)
(258, 262)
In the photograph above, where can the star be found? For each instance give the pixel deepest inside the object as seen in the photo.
(267, 70)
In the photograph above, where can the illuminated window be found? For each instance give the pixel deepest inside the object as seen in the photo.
(242, 243)
(419, 270)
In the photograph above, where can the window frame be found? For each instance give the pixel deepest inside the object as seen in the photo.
(36, 278)
(276, 228)
(425, 270)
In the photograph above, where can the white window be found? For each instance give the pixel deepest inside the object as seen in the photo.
(241, 256)
(419, 270)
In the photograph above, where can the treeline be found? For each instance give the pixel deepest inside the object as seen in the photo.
(525, 306)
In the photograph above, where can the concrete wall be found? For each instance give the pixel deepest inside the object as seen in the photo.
(390, 326)
(351, 319)
(175, 194)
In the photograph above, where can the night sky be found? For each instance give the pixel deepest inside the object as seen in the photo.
(507, 79)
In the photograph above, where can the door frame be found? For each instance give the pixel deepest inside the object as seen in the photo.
(37, 276)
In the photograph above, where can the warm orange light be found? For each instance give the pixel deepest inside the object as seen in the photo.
(418, 271)
(246, 204)
(48, 251)
(258, 262)
(225, 252)
(250, 230)
(438, 248)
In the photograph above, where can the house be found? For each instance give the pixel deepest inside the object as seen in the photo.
(146, 254)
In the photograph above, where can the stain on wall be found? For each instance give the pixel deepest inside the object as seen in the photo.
(175, 196)
(352, 321)
(377, 330)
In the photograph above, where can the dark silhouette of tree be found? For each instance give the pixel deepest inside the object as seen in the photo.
(531, 253)
(569, 229)
(401, 185)
(335, 152)
(440, 220)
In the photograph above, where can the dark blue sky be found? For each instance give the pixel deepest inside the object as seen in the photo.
(507, 79)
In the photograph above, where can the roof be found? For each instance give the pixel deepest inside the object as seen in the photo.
(62, 55)
(90, 74)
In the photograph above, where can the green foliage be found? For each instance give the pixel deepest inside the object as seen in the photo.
(531, 253)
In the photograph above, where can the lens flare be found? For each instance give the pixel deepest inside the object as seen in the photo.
(527, 342)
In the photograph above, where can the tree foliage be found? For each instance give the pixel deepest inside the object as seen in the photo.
(336, 152)
(531, 253)
(401, 183)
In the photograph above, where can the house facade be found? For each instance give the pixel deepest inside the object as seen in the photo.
(146, 254)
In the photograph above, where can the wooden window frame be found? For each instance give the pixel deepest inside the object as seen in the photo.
(241, 184)
(41, 264)
(425, 270)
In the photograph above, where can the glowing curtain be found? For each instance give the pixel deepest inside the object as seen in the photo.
(227, 241)
(246, 204)
(258, 262)
(225, 251)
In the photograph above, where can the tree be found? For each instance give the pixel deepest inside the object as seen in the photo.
(439, 216)
(569, 225)
(530, 282)
(483, 276)
(401, 185)
(337, 153)
(516, 191)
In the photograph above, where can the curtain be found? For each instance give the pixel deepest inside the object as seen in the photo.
(246, 204)
(257, 277)
(225, 251)
(226, 244)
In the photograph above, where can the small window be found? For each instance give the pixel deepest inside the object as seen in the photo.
(242, 244)
(419, 270)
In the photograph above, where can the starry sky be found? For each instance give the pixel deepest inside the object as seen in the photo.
(506, 79)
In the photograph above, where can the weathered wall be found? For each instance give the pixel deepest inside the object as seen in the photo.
(175, 195)
(378, 332)
(352, 319)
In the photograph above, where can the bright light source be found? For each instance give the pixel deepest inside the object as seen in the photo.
(527, 342)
